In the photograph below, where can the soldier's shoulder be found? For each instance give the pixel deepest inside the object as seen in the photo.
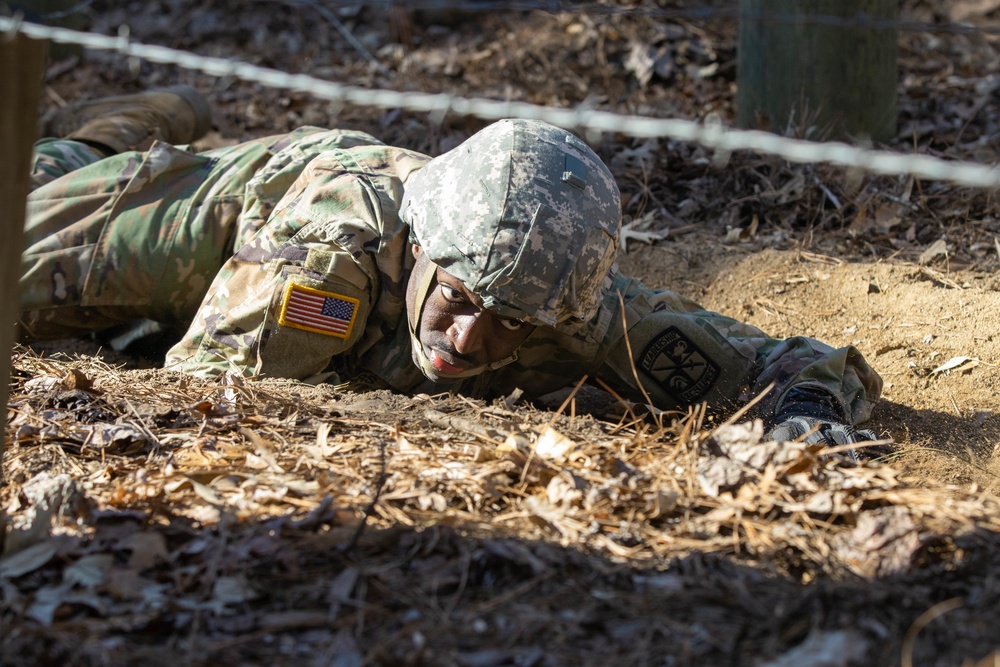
(383, 158)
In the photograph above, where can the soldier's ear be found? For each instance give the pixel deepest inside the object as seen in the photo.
(416, 250)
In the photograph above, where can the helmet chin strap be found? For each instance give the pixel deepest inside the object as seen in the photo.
(420, 357)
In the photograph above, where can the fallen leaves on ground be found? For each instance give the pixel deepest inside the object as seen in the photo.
(430, 528)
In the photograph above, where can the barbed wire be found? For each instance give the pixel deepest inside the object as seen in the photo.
(711, 135)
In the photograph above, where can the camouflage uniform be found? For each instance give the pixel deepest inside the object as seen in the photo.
(314, 217)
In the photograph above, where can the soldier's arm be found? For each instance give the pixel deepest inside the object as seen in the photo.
(294, 296)
(682, 354)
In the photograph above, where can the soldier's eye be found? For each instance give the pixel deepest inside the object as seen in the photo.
(511, 324)
(451, 294)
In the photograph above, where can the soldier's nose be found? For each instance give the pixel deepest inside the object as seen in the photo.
(466, 335)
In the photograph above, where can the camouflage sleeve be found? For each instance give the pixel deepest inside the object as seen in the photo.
(678, 354)
(278, 307)
(303, 288)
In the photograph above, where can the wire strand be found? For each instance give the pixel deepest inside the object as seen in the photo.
(710, 135)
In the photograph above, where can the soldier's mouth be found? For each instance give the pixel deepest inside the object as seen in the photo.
(443, 366)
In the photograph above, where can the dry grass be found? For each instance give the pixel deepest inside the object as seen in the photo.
(160, 517)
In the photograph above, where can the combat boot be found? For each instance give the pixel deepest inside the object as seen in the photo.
(176, 115)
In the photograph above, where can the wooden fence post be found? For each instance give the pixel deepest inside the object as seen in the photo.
(798, 69)
(22, 61)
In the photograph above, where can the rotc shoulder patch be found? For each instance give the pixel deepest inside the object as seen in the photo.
(679, 366)
(315, 310)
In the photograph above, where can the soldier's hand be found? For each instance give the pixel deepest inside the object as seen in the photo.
(819, 432)
(813, 431)
(812, 415)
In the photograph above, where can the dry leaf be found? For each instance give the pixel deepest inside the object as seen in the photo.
(884, 542)
(661, 503)
(49, 497)
(717, 474)
(565, 489)
(963, 10)
(27, 560)
(553, 446)
(733, 236)
(90, 571)
(939, 247)
(641, 61)
(956, 364)
(119, 436)
(45, 602)
(147, 549)
(42, 384)
(634, 231)
(837, 648)
(232, 590)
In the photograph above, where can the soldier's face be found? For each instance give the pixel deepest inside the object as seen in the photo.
(455, 331)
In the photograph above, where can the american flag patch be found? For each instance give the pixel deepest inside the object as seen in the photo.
(315, 310)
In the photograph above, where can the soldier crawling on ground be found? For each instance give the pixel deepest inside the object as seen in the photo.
(325, 255)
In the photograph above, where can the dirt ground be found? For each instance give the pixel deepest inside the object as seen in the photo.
(230, 523)
(907, 319)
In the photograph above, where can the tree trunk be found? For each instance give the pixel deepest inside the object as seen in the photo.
(22, 61)
(804, 69)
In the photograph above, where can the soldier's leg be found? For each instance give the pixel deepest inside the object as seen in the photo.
(175, 115)
(132, 236)
(54, 158)
(64, 221)
(85, 132)
(77, 183)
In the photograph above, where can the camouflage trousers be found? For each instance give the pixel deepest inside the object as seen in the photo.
(137, 235)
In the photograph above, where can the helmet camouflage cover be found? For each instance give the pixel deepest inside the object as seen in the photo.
(525, 214)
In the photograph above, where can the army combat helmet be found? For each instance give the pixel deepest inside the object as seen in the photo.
(525, 214)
